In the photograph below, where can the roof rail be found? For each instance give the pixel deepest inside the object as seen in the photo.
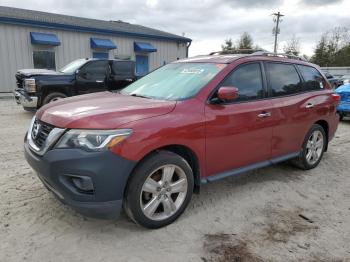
(265, 53)
(237, 51)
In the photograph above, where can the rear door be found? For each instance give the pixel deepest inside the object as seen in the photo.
(122, 74)
(295, 104)
(239, 134)
(92, 77)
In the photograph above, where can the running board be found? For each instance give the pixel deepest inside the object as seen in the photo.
(244, 169)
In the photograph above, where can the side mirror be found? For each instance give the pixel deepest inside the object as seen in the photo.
(227, 93)
(77, 71)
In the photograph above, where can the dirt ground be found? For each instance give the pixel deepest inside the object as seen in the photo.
(277, 213)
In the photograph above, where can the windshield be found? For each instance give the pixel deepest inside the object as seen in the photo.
(73, 66)
(176, 81)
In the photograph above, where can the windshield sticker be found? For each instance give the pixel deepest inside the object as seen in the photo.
(193, 70)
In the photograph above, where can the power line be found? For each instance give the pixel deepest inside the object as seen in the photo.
(276, 30)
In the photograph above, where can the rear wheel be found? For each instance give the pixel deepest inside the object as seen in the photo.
(54, 96)
(159, 190)
(313, 148)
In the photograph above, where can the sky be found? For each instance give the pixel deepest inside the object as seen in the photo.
(209, 22)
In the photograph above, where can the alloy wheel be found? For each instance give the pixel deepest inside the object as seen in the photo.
(314, 147)
(163, 192)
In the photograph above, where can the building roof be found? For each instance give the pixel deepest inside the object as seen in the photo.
(26, 17)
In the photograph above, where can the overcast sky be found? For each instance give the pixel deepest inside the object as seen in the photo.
(209, 22)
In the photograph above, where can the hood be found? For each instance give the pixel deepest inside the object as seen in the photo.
(103, 110)
(35, 72)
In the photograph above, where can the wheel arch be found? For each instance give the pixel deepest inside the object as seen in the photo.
(185, 152)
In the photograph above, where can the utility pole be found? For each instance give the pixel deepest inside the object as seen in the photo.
(276, 29)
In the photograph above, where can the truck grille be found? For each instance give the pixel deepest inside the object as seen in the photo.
(40, 132)
(19, 80)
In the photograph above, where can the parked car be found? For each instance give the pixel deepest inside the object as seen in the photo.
(344, 106)
(345, 79)
(335, 82)
(37, 87)
(194, 121)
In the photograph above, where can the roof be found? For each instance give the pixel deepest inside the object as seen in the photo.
(26, 17)
(229, 58)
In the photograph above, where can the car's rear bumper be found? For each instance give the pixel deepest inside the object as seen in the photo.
(105, 172)
(24, 99)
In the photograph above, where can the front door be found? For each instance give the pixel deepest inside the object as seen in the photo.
(93, 77)
(238, 134)
(141, 65)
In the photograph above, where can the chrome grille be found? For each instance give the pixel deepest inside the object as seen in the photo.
(19, 80)
(40, 132)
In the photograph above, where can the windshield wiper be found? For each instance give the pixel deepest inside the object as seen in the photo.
(137, 95)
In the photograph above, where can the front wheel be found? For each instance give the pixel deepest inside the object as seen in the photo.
(52, 97)
(313, 148)
(159, 190)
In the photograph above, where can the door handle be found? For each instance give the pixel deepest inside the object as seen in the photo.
(309, 105)
(264, 114)
(99, 81)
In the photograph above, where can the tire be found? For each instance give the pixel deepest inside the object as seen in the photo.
(51, 97)
(312, 150)
(341, 117)
(153, 204)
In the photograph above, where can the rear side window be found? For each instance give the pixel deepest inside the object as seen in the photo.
(313, 78)
(122, 67)
(283, 79)
(247, 78)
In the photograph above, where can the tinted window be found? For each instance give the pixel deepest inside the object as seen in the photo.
(283, 79)
(44, 59)
(122, 68)
(313, 79)
(95, 70)
(247, 78)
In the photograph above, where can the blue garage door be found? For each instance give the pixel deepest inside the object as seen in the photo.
(141, 65)
(100, 55)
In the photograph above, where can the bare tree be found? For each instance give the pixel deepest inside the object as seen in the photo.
(292, 46)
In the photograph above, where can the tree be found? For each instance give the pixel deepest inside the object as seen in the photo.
(245, 42)
(333, 49)
(292, 46)
(228, 46)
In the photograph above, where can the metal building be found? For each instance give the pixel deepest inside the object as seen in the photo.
(33, 39)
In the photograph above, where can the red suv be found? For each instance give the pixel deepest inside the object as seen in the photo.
(148, 147)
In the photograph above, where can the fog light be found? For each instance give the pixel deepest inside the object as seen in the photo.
(83, 184)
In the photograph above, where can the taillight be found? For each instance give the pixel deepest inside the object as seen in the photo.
(336, 98)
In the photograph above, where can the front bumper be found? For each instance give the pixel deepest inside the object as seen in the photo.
(27, 101)
(107, 172)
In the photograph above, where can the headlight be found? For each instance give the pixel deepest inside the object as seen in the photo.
(29, 85)
(92, 140)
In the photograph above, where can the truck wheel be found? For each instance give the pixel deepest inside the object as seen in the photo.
(51, 97)
(313, 148)
(159, 190)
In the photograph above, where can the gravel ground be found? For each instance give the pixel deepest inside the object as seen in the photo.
(277, 213)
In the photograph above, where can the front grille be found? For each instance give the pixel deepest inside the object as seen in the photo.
(40, 132)
(19, 80)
